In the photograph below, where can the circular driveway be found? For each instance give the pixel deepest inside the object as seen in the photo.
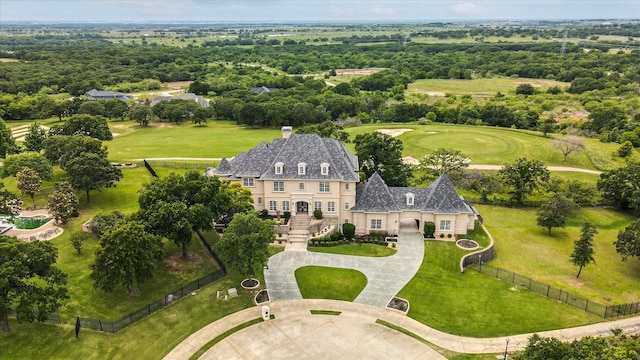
(319, 337)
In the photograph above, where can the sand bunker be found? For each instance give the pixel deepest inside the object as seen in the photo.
(393, 132)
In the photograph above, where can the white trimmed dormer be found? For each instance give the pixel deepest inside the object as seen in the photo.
(302, 168)
(279, 168)
(410, 198)
(324, 169)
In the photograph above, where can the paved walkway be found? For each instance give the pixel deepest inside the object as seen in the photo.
(386, 276)
(298, 332)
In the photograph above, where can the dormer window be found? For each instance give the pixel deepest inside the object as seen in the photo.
(279, 167)
(324, 169)
(410, 198)
(302, 168)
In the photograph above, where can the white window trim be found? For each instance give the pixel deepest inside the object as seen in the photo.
(325, 190)
(301, 186)
(279, 168)
(346, 206)
(302, 169)
(273, 205)
(278, 188)
(410, 199)
(324, 169)
(376, 224)
(285, 206)
(331, 206)
(248, 182)
(317, 205)
(445, 225)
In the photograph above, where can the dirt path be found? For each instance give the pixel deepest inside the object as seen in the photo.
(181, 159)
(551, 168)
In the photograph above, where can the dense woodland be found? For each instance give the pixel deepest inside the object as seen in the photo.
(605, 84)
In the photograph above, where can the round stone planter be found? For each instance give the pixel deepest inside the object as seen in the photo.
(250, 284)
(467, 244)
(262, 297)
(398, 304)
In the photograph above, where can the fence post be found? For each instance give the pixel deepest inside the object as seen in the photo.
(149, 309)
(586, 305)
(530, 280)
(198, 283)
(513, 278)
(497, 272)
(560, 295)
(548, 289)
(100, 324)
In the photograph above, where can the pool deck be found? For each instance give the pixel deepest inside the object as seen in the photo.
(47, 231)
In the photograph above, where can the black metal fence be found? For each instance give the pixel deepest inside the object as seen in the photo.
(117, 325)
(54, 318)
(606, 311)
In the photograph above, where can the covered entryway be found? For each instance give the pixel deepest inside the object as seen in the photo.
(302, 207)
(409, 225)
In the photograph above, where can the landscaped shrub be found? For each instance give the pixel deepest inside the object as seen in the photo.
(442, 236)
(317, 213)
(264, 213)
(349, 230)
(286, 215)
(335, 236)
(429, 229)
(449, 236)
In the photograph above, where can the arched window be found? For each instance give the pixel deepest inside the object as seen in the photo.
(410, 198)
(279, 168)
(302, 168)
(324, 168)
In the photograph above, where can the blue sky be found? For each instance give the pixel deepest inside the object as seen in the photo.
(310, 10)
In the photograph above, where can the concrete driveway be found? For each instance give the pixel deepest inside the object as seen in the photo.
(386, 276)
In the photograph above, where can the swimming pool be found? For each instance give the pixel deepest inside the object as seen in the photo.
(25, 222)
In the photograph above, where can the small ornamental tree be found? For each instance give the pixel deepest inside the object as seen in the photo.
(127, 256)
(429, 229)
(29, 183)
(78, 239)
(10, 204)
(103, 222)
(63, 203)
(31, 283)
(317, 213)
(583, 248)
(349, 231)
(245, 243)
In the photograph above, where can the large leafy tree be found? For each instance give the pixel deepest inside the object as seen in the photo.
(524, 176)
(29, 182)
(83, 124)
(7, 142)
(90, 171)
(29, 280)
(141, 114)
(241, 201)
(628, 242)
(245, 243)
(382, 153)
(127, 256)
(554, 212)
(14, 163)
(621, 187)
(63, 203)
(34, 139)
(104, 221)
(443, 161)
(326, 129)
(175, 205)
(582, 254)
(60, 149)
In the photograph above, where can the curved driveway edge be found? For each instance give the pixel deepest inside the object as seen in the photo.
(297, 308)
(386, 276)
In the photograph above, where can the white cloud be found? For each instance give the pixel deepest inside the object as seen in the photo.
(467, 9)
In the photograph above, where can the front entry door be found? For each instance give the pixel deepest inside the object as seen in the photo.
(302, 207)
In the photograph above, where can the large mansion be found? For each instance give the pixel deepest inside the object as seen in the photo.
(303, 172)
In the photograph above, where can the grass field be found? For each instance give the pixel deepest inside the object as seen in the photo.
(356, 249)
(318, 282)
(525, 248)
(478, 87)
(472, 304)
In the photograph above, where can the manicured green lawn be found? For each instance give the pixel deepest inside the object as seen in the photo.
(473, 304)
(319, 282)
(355, 249)
(151, 338)
(216, 139)
(525, 248)
(489, 145)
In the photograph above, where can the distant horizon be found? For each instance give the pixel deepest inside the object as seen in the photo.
(312, 11)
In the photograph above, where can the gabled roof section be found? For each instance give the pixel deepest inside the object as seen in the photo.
(223, 169)
(374, 196)
(440, 197)
(262, 89)
(94, 94)
(309, 149)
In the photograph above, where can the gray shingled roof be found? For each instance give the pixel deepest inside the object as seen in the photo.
(439, 197)
(94, 94)
(310, 149)
(187, 96)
